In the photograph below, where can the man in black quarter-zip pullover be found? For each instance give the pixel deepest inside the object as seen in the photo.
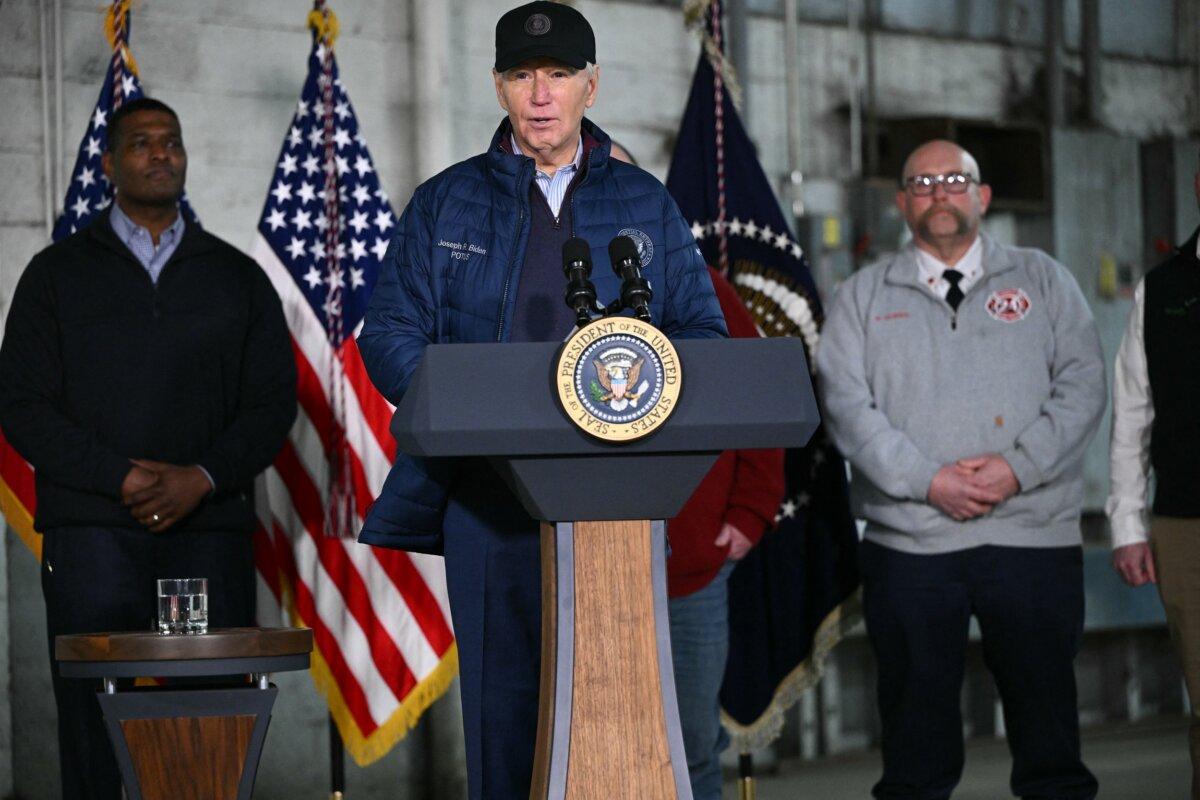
(146, 374)
(963, 380)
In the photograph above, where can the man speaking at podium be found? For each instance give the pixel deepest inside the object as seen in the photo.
(477, 258)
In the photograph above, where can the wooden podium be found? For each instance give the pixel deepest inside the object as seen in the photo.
(608, 722)
(179, 742)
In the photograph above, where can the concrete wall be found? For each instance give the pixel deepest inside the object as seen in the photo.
(418, 74)
(1094, 223)
(935, 76)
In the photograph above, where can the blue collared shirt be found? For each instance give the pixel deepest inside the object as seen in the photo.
(141, 244)
(555, 187)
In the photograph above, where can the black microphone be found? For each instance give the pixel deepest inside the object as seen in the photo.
(577, 266)
(635, 289)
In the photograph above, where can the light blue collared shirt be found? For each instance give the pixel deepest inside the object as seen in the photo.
(554, 188)
(141, 244)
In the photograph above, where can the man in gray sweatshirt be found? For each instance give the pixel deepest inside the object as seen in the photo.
(963, 379)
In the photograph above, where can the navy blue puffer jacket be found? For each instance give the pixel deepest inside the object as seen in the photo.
(451, 275)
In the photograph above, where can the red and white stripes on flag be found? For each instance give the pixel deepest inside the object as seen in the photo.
(384, 646)
(380, 618)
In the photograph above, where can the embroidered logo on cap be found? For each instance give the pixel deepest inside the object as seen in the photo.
(537, 25)
(1008, 305)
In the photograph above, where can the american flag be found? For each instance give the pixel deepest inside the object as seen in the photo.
(380, 618)
(90, 192)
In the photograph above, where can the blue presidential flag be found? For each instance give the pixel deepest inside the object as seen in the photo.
(793, 595)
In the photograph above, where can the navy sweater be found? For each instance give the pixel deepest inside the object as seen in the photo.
(542, 314)
(99, 366)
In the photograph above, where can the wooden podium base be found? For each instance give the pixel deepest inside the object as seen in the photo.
(608, 722)
(188, 744)
(187, 741)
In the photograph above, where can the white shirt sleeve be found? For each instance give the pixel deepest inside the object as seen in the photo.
(1133, 416)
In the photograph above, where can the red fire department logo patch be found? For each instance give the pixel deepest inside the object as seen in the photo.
(1008, 305)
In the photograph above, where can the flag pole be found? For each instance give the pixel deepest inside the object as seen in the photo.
(719, 114)
(47, 154)
(337, 521)
(746, 788)
(341, 511)
(337, 762)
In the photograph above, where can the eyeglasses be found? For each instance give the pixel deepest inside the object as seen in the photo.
(952, 182)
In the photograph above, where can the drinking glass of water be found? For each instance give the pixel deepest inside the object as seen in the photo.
(182, 605)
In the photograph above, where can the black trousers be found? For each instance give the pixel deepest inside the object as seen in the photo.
(1029, 605)
(103, 579)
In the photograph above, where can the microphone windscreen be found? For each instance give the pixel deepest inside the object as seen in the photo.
(623, 249)
(575, 250)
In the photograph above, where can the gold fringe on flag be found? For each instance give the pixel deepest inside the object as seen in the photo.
(366, 750)
(20, 520)
(806, 675)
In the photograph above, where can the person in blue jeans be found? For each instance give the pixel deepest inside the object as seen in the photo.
(726, 516)
(963, 379)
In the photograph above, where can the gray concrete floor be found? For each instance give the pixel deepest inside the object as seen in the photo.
(1143, 761)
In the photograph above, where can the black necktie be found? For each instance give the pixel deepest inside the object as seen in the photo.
(955, 295)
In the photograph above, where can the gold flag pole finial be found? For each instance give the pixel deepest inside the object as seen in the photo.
(324, 23)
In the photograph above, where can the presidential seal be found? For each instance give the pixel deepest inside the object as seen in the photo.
(645, 245)
(537, 25)
(618, 379)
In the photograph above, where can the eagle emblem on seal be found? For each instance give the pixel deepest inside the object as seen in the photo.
(618, 371)
(617, 379)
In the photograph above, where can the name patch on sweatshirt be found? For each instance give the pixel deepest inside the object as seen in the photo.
(1008, 305)
(894, 315)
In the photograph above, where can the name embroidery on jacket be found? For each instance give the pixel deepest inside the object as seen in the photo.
(461, 250)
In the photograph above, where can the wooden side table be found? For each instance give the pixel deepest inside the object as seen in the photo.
(181, 742)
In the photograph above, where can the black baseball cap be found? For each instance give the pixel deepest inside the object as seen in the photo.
(544, 30)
